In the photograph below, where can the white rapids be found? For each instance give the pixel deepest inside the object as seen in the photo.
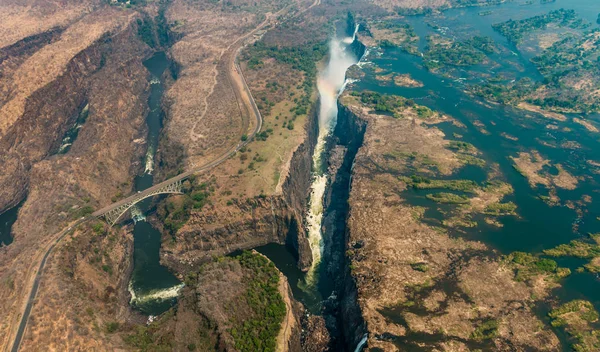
(330, 83)
(155, 295)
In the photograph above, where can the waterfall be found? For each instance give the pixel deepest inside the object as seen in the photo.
(330, 83)
(362, 343)
(350, 40)
(137, 214)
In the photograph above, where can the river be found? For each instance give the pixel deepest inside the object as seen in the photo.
(153, 287)
(7, 219)
(539, 226)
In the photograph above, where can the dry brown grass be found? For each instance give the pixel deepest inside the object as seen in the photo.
(98, 163)
(77, 298)
(21, 19)
(51, 61)
(204, 115)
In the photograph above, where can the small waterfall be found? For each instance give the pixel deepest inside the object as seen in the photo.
(155, 295)
(73, 132)
(64, 146)
(362, 343)
(331, 83)
(137, 214)
(149, 165)
(350, 40)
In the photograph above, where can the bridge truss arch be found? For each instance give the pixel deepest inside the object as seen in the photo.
(114, 214)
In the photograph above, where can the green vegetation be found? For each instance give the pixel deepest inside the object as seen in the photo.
(253, 314)
(461, 146)
(383, 102)
(568, 60)
(469, 3)
(504, 92)
(580, 249)
(578, 318)
(448, 198)
(175, 211)
(484, 44)
(575, 248)
(420, 182)
(98, 227)
(569, 67)
(422, 267)
(155, 31)
(423, 112)
(404, 30)
(587, 310)
(487, 330)
(465, 53)
(82, 211)
(146, 31)
(264, 135)
(394, 104)
(112, 327)
(146, 337)
(301, 58)
(414, 11)
(528, 266)
(108, 269)
(470, 160)
(500, 209)
(515, 30)
(259, 333)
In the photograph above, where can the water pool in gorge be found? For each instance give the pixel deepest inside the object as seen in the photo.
(153, 287)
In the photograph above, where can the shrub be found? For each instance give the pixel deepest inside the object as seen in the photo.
(112, 327)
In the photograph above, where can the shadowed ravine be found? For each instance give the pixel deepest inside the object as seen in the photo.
(153, 287)
(321, 288)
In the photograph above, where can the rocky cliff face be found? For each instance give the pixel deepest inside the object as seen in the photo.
(48, 114)
(110, 77)
(346, 324)
(91, 272)
(218, 230)
(45, 80)
(409, 286)
(296, 188)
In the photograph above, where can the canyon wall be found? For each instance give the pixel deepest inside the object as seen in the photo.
(347, 139)
(218, 230)
(110, 77)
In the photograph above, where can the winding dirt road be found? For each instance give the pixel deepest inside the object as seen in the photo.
(247, 105)
(247, 101)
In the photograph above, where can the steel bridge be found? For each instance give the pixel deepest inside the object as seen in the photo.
(113, 213)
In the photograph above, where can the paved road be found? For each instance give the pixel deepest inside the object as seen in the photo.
(36, 284)
(235, 70)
